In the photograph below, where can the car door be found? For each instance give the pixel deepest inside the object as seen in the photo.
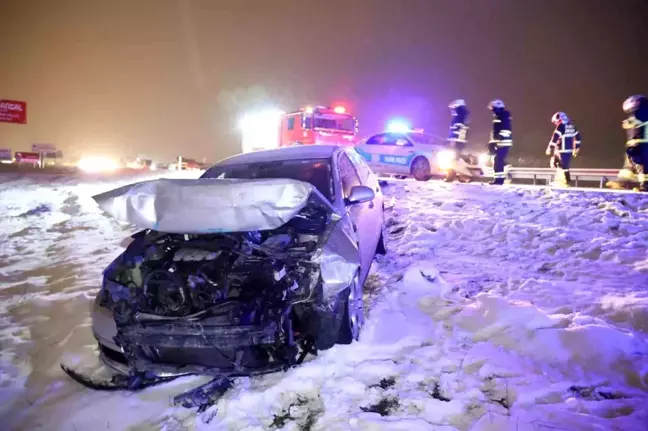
(384, 150)
(358, 212)
(397, 153)
(368, 178)
(368, 149)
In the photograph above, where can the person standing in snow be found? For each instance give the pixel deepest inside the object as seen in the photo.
(565, 143)
(457, 136)
(636, 127)
(501, 139)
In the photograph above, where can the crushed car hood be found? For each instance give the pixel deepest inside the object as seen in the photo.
(199, 206)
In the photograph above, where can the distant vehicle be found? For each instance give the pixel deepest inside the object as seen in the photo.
(416, 154)
(318, 125)
(257, 281)
(6, 156)
(142, 163)
(184, 164)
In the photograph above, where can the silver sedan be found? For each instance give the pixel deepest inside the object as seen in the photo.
(244, 270)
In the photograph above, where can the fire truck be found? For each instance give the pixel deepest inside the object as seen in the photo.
(318, 125)
(307, 126)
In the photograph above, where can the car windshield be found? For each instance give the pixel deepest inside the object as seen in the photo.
(343, 123)
(314, 171)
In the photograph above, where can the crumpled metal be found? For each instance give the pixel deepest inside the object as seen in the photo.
(340, 258)
(206, 205)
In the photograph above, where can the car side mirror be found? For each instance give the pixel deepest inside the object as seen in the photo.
(360, 194)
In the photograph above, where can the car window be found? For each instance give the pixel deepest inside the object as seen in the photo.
(314, 171)
(348, 175)
(421, 138)
(291, 123)
(396, 139)
(376, 139)
(361, 167)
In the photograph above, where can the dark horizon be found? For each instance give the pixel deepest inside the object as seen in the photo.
(171, 77)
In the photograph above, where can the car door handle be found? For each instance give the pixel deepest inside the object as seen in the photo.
(371, 204)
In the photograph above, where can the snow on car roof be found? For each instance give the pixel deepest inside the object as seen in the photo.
(287, 153)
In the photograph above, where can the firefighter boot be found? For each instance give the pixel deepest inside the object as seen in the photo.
(567, 178)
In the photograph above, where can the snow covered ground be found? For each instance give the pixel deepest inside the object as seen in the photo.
(495, 309)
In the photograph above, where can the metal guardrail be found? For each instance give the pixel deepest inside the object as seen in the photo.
(548, 174)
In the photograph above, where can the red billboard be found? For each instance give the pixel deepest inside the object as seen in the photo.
(13, 111)
(25, 157)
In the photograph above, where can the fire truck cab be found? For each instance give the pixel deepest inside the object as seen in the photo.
(318, 125)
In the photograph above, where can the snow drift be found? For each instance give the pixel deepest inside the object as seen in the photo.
(494, 309)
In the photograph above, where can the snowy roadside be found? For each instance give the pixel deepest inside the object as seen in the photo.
(514, 308)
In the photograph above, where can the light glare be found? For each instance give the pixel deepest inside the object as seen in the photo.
(398, 126)
(446, 159)
(98, 164)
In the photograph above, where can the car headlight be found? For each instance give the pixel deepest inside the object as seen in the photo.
(446, 159)
(483, 159)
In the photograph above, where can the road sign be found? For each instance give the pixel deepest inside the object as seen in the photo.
(53, 155)
(13, 111)
(43, 148)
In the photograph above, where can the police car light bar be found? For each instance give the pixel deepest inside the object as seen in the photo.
(398, 126)
(339, 110)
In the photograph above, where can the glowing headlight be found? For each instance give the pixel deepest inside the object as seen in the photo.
(446, 159)
(98, 164)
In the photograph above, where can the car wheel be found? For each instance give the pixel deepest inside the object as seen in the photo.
(421, 169)
(353, 314)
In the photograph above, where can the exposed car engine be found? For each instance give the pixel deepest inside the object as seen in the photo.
(181, 275)
(231, 301)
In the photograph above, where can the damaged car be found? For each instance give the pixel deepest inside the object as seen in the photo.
(243, 271)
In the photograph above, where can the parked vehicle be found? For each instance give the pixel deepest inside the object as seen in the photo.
(416, 154)
(318, 125)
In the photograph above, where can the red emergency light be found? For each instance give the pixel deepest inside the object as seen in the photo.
(338, 109)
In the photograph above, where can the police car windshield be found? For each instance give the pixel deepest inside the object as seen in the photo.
(420, 138)
(314, 171)
(343, 123)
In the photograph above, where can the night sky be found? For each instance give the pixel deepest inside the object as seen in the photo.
(169, 77)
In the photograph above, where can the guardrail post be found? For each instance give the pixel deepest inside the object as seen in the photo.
(576, 180)
(534, 179)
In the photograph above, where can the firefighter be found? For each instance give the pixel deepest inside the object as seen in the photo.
(636, 127)
(501, 139)
(565, 143)
(457, 136)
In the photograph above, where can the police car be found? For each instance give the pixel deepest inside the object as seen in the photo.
(416, 154)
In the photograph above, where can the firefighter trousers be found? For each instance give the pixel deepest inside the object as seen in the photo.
(565, 164)
(639, 155)
(501, 153)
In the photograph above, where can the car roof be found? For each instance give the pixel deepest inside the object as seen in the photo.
(287, 153)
